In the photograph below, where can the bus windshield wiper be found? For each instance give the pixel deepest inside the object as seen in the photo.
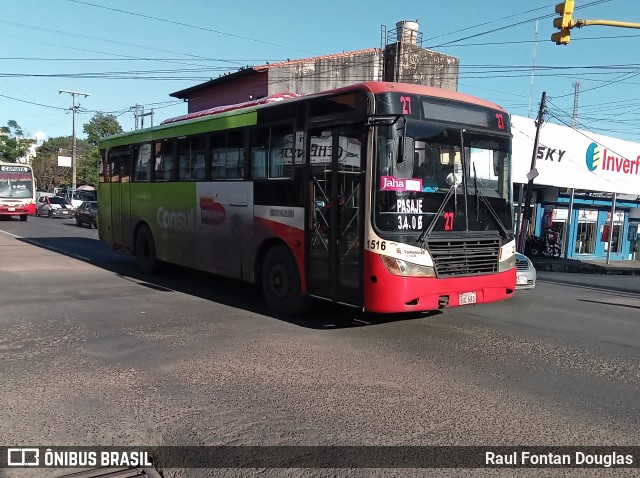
(429, 227)
(475, 186)
(465, 182)
(492, 212)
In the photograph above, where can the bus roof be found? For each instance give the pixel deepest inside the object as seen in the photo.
(245, 114)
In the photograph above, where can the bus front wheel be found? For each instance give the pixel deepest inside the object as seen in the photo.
(146, 251)
(281, 283)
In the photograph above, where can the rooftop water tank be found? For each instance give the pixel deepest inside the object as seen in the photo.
(407, 31)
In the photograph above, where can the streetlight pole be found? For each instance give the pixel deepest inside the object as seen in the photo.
(73, 132)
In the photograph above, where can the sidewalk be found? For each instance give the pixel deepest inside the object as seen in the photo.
(560, 264)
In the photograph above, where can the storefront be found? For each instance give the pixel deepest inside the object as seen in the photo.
(580, 174)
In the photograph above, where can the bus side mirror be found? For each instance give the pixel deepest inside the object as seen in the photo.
(403, 168)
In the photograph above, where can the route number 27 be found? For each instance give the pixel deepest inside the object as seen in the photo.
(406, 105)
(448, 221)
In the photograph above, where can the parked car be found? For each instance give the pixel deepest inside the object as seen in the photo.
(87, 213)
(526, 273)
(53, 207)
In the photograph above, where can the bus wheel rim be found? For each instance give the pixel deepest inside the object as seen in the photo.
(279, 281)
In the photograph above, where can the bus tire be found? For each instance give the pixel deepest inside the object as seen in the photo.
(281, 283)
(146, 251)
(23, 217)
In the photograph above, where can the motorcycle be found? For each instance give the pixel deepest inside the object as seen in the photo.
(547, 245)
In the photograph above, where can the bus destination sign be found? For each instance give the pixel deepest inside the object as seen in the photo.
(14, 169)
(428, 108)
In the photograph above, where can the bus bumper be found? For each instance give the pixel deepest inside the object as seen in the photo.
(29, 209)
(388, 293)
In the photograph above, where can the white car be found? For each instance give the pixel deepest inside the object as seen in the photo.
(53, 207)
(526, 273)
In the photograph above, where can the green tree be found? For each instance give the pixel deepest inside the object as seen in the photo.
(100, 126)
(45, 163)
(13, 144)
(50, 175)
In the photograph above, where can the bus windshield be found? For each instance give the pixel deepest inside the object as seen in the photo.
(84, 195)
(464, 175)
(16, 185)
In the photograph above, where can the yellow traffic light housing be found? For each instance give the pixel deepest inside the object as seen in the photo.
(562, 37)
(564, 23)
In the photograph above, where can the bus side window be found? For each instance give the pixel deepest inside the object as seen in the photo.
(280, 142)
(103, 172)
(125, 167)
(227, 155)
(142, 156)
(198, 153)
(259, 150)
(191, 158)
(165, 161)
(184, 151)
(218, 156)
(271, 152)
(114, 168)
(234, 167)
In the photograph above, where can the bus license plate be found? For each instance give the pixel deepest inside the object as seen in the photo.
(467, 298)
(11, 209)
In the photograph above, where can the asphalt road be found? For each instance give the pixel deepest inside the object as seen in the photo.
(93, 352)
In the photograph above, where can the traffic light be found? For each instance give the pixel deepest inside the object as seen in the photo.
(564, 23)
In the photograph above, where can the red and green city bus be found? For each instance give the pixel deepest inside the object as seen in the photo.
(387, 197)
(17, 190)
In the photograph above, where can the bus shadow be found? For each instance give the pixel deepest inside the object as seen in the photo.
(221, 290)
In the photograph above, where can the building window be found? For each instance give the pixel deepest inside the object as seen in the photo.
(586, 232)
(616, 237)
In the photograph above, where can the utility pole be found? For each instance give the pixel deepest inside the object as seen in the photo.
(146, 114)
(533, 173)
(136, 114)
(74, 108)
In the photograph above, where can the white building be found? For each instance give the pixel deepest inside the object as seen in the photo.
(579, 175)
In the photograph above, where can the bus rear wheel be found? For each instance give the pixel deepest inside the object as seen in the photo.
(146, 251)
(281, 283)
(23, 217)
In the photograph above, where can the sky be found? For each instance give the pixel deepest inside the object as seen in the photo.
(137, 52)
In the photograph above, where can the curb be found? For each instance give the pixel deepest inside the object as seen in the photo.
(582, 267)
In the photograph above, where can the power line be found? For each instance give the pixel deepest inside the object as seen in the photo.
(502, 28)
(197, 27)
(33, 103)
(489, 22)
(78, 35)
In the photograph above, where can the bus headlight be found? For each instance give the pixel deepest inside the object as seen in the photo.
(399, 267)
(507, 264)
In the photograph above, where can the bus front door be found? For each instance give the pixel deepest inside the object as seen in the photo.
(335, 222)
